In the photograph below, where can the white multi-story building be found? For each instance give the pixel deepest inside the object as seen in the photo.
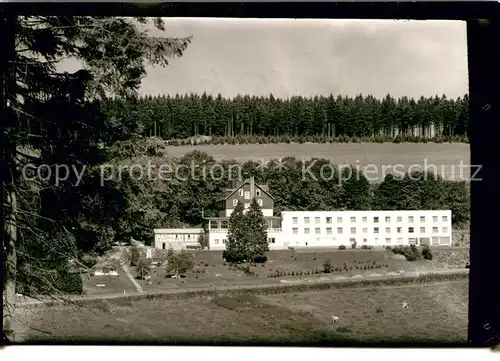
(371, 228)
(316, 228)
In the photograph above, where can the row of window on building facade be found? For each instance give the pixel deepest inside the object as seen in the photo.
(388, 240)
(224, 224)
(247, 205)
(269, 240)
(399, 219)
(340, 230)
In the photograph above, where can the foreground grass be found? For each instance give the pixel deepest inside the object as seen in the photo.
(371, 314)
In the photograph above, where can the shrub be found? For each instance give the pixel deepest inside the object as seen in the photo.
(180, 263)
(134, 256)
(426, 253)
(388, 248)
(364, 246)
(341, 247)
(353, 245)
(89, 260)
(327, 266)
(412, 254)
(142, 269)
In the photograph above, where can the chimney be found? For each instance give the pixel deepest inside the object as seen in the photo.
(252, 187)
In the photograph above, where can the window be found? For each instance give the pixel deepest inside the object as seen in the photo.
(272, 240)
(329, 230)
(353, 230)
(365, 230)
(399, 219)
(422, 229)
(295, 220)
(352, 240)
(247, 205)
(375, 219)
(410, 219)
(216, 241)
(387, 229)
(306, 230)
(387, 219)
(422, 218)
(260, 202)
(410, 229)
(317, 230)
(235, 202)
(339, 219)
(213, 225)
(306, 220)
(353, 219)
(387, 241)
(176, 236)
(445, 218)
(375, 230)
(257, 193)
(365, 240)
(189, 236)
(434, 230)
(224, 224)
(400, 240)
(295, 230)
(247, 195)
(365, 219)
(329, 220)
(224, 241)
(399, 229)
(240, 192)
(316, 220)
(435, 219)
(339, 230)
(445, 229)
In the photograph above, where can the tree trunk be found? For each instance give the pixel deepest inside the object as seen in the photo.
(10, 266)
(8, 172)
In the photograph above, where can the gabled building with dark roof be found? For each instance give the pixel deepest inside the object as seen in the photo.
(244, 192)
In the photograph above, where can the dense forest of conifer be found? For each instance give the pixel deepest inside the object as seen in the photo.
(183, 116)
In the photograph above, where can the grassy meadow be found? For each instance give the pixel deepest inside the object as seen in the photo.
(436, 314)
(446, 157)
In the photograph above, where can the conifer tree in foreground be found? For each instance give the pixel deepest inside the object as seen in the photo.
(256, 231)
(237, 237)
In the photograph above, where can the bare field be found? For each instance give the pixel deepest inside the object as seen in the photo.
(444, 159)
(437, 313)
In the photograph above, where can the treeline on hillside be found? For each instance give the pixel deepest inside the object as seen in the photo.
(182, 199)
(331, 117)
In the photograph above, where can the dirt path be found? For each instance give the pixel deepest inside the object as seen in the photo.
(131, 278)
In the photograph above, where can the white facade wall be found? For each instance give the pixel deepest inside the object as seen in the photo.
(335, 228)
(177, 238)
(217, 239)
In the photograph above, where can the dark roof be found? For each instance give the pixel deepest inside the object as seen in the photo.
(230, 192)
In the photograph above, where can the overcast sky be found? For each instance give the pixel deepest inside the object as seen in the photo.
(309, 57)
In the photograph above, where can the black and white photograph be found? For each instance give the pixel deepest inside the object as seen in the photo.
(216, 181)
